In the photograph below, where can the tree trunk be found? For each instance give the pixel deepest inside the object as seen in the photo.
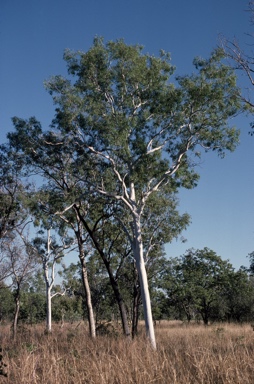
(16, 314)
(112, 279)
(120, 302)
(135, 305)
(49, 308)
(187, 312)
(135, 313)
(145, 294)
(48, 284)
(85, 281)
(91, 320)
(205, 312)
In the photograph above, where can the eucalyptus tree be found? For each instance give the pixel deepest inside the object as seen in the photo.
(66, 196)
(122, 112)
(85, 217)
(23, 265)
(57, 190)
(107, 238)
(161, 223)
(8, 196)
(54, 198)
(50, 252)
(13, 194)
(14, 215)
(107, 225)
(82, 241)
(133, 132)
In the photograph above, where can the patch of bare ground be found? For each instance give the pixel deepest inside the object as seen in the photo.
(186, 354)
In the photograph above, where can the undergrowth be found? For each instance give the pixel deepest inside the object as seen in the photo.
(186, 354)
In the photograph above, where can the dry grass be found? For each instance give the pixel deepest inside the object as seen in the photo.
(186, 355)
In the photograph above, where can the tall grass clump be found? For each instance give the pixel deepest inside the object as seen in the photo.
(189, 354)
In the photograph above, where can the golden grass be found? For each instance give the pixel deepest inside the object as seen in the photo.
(192, 354)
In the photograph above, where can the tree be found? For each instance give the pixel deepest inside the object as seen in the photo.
(133, 132)
(50, 253)
(104, 245)
(240, 297)
(23, 265)
(6, 303)
(161, 223)
(71, 275)
(198, 282)
(52, 200)
(13, 193)
(79, 232)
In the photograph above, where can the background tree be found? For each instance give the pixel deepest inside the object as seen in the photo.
(13, 211)
(200, 283)
(7, 305)
(71, 275)
(240, 297)
(50, 253)
(23, 265)
(55, 198)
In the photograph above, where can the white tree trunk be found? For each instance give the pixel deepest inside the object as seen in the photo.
(16, 314)
(145, 294)
(49, 309)
(48, 284)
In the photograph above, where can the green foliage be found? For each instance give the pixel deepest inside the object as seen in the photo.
(66, 308)
(240, 297)
(37, 283)
(103, 299)
(122, 105)
(6, 304)
(32, 307)
(123, 141)
(13, 194)
(200, 283)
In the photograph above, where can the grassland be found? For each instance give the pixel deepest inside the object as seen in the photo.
(192, 354)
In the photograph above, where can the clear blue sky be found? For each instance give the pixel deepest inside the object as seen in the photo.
(33, 36)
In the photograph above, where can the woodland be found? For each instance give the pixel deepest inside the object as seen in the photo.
(102, 183)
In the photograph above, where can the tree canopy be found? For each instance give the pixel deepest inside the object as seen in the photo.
(127, 131)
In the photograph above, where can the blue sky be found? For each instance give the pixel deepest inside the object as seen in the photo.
(33, 36)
